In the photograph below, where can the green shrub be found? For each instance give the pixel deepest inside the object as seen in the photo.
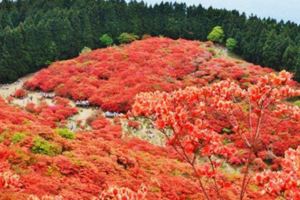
(127, 38)
(42, 146)
(106, 40)
(65, 133)
(18, 137)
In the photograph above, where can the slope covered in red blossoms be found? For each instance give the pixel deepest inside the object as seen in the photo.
(178, 85)
(100, 76)
(111, 77)
(36, 160)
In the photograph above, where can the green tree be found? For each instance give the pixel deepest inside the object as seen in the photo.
(216, 35)
(273, 50)
(291, 60)
(106, 40)
(231, 44)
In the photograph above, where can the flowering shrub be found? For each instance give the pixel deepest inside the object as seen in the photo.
(134, 124)
(223, 69)
(284, 183)
(52, 114)
(45, 197)
(117, 193)
(187, 118)
(8, 179)
(20, 93)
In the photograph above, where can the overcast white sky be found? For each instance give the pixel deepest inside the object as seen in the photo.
(278, 9)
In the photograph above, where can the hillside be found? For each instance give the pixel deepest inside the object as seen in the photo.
(95, 125)
(111, 77)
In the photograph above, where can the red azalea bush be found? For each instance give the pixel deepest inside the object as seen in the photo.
(8, 179)
(20, 93)
(187, 119)
(134, 124)
(117, 193)
(283, 183)
(223, 69)
(60, 111)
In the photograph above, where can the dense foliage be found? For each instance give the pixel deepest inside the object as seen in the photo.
(33, 33)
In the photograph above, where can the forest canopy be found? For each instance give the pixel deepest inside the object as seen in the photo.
(34, 33)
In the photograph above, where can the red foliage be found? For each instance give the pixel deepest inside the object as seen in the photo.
(193, 113)
(20, 93)
(147, 65)
(212, 121)
(143, 66)
(283, 183)
(52, 114)
(117, 193)
(133, 124)
(88, 164)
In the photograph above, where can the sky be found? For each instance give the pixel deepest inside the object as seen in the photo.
(277, 9)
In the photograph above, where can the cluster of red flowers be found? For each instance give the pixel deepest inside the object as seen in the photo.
(20, 93)
(223, 69)
(117, 193)
(284, 183)
(45, 197)
(8, 179)
(59, 112)
(133, 124)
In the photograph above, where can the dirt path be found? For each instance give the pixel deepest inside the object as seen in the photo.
(7, 89)
(36, 97)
